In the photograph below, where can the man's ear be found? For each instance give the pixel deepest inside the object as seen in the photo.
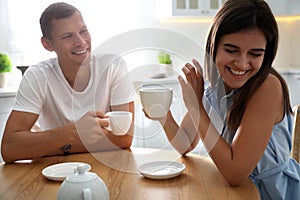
(46, 44)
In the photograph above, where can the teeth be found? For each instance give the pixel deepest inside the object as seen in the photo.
(237, 72)
(80, 52)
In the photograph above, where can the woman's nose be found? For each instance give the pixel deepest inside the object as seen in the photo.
(242, 62)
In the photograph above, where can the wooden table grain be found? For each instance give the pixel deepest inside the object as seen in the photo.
(200, 180)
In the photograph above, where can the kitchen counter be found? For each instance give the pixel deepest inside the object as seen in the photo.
(289, 71)
(13, 84)
(9, 91)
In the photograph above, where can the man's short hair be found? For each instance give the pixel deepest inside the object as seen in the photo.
(58, 10)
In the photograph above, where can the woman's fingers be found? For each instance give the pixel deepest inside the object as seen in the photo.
(190, 72)
(181, 81)
(198, 66)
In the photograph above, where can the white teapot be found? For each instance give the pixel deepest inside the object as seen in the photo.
(83, 185)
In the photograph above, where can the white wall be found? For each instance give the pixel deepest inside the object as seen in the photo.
(20, 26)
(295, 44)
(288, 55)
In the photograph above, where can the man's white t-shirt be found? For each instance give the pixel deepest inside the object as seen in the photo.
(45, 91)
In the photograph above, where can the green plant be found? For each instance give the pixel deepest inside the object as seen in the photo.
(164, 58)
(5, 63)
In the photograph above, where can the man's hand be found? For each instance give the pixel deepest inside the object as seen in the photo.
(90, 126)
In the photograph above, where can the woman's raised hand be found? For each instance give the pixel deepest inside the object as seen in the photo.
(193, 87)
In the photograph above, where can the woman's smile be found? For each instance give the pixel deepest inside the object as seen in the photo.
(237, 72)
(238, 58)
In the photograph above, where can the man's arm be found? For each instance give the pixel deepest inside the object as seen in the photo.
(19, 142)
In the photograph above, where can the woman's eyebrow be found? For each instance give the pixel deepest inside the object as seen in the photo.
(258, 49)
(234, 46)
(230, 45)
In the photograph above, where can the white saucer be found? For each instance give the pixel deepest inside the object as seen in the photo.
(158, 75)
(161, 169)
(59, 172)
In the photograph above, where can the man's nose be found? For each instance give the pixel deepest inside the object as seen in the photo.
(79, 40)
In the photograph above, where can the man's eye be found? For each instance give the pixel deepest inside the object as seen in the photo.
(66, 36)
(83, 31)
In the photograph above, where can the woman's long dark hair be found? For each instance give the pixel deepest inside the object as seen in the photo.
(234, 16)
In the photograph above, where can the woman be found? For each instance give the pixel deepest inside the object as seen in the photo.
(241, 110)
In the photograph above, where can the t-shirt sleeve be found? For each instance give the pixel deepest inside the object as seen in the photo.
(31, 91)
(122, 90)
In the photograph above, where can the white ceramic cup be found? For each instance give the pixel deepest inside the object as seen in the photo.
(119, 122)
(156, 101)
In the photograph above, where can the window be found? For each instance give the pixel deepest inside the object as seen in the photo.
(20, 24)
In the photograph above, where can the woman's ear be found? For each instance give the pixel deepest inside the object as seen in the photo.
(46, 44)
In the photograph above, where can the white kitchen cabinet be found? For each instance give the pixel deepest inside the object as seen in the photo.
(295, 7)
(196, 7)
(278, 7)
(286, 7)
(211, 7)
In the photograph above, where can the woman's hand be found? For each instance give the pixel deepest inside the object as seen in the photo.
(193, 88)
(162, 120)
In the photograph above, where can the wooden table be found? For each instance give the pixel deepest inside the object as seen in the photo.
(200, 180)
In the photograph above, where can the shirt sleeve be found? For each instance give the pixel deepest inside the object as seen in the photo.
(31, 92)
(122, 90)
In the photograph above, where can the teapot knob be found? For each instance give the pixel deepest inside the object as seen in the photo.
(80, 169)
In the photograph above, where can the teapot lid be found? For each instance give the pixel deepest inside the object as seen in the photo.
(81, 175)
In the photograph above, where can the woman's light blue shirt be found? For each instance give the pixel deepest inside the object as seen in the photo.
(277, 175)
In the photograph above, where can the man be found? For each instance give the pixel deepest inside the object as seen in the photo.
(67, 95)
